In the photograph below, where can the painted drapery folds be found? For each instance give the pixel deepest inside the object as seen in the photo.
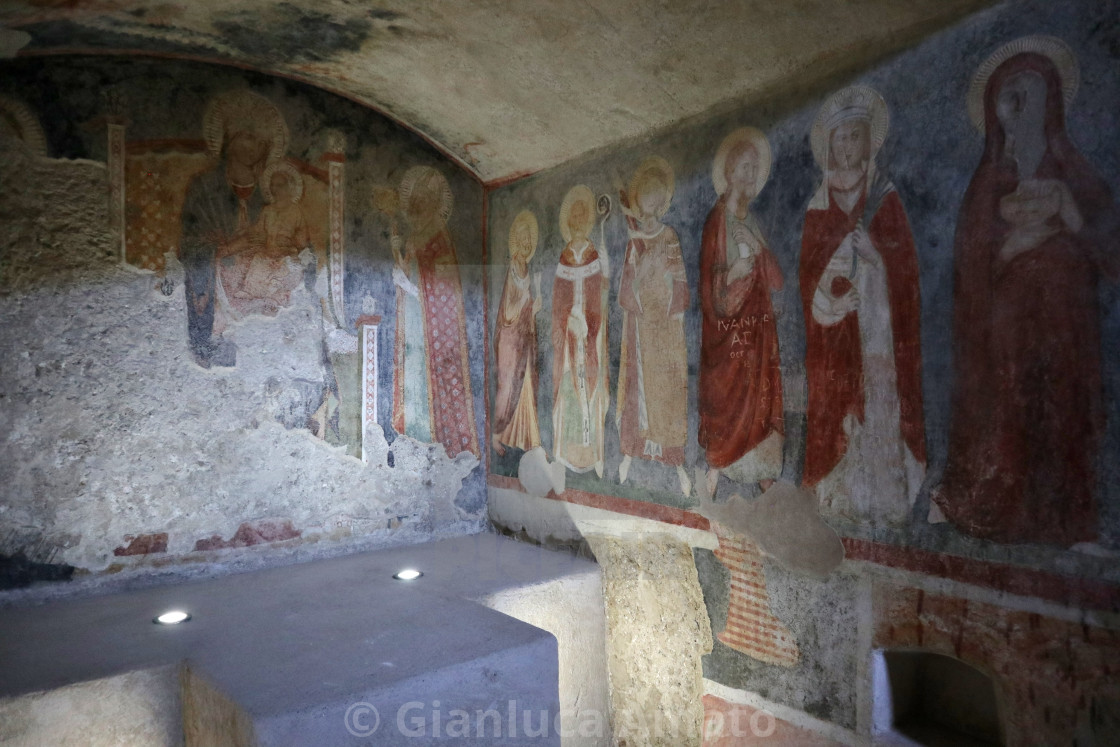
(898, 339)
(797, 316)
(740, 393)
(514, 421)
(579, 340)
(432, 392)
(652, 396)
(865, 439)
(1036, 233)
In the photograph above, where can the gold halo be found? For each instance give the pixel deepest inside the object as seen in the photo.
(526, 217)
(658, 168)
(294, 178)
(243, 111)
(576, 193)
(1048, 46)
(425, 175)
(861, 102)
(21, 119)
(755, 137)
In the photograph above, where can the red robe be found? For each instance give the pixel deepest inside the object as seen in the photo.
(833, 359)
(740, 396)
(1028, 414)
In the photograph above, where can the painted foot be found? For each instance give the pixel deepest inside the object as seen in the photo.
(686, 484)
(624, 469)
(765, 484)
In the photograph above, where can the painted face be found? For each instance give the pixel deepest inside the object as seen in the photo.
(743, 175)
(423, 203)
(577, 219)
(1021, 104)
(850, 144)
(651, 197)
(245, 149)
(522, 242)
(281, 189)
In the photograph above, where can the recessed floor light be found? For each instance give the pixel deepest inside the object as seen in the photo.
(172, 617)
(408, 574)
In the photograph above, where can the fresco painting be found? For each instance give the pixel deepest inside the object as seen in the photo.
(432, 386)
(252, 224)
(652, 396)
(897, 347)
(514, 422)
(579, 339)
(865, 438)
(740, 390)
(1033, 245)
(1035, 237)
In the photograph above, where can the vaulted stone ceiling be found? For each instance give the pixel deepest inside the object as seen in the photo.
(507, 87)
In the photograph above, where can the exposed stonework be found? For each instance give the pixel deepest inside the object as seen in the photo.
(111, 431)
(657, 630)
(210, 719)
(138, 709)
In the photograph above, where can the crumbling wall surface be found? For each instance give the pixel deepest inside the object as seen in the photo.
(657, 630)
(111, 436)
(139, 708)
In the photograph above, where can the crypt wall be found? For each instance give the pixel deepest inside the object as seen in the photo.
(809, 338)
(222, 300)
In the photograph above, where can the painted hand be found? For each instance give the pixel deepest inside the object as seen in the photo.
(848, 302)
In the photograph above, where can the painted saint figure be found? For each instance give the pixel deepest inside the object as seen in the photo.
(259, 269)
(1036, 232)
(652, 401)
(865, 443)
(579, 339)
(515, 421)
(244, 132)
(740, 396)
(432, 395)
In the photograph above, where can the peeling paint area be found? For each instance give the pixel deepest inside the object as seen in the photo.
(119, 447)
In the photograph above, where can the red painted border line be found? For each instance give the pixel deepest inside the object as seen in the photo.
(1028, 582)
(641, 509)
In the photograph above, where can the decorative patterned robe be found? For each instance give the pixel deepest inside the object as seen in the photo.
(432, 395)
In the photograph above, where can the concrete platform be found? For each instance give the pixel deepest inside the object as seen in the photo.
(298, 653)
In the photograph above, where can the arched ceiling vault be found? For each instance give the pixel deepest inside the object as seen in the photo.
(507, 87)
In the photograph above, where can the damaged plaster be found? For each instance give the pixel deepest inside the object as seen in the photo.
(111, 431)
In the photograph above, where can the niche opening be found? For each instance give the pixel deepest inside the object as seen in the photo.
(921, 698)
